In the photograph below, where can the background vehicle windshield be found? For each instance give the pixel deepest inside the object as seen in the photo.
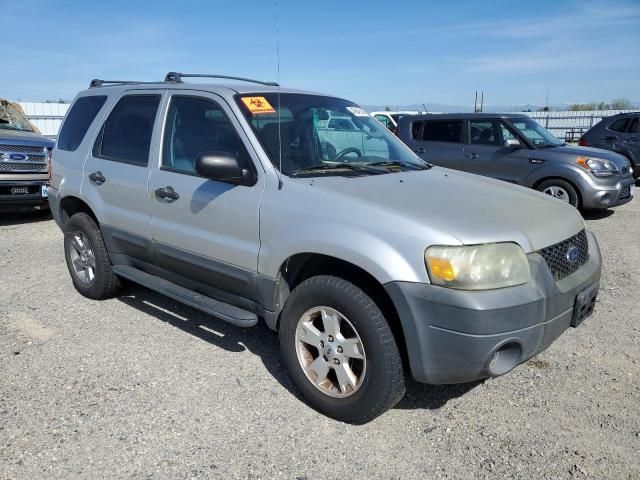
(12, 117)
(307, 133)
(535, 132)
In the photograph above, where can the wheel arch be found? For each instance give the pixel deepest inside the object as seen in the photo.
(299, 267)
(564, 179)
(71, 205)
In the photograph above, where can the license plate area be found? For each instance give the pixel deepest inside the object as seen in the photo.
(20, 190)
(584, 305)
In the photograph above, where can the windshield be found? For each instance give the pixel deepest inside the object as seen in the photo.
(535, 132)
(12, 117)
(313, 135)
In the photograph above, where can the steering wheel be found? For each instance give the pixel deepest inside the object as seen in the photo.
(347, 151)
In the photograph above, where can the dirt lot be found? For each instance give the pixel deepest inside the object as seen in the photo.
(143, 387)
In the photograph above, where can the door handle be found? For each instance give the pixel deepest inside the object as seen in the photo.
(167, 193)
(97, 178)
(419, 150)
(472, 155)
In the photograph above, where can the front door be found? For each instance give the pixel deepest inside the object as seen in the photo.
(485, 153)
(209, 230)
(117, 171)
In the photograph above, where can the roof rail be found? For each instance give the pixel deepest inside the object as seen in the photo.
(176, 77)
(96, 82)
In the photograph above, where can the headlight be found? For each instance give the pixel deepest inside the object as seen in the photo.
(598, 166)
(477, 267)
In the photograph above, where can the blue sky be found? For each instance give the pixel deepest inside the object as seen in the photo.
(370, 52)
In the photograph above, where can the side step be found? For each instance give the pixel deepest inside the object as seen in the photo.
(224, 311)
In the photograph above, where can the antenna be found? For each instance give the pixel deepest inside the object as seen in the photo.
(475, 103)
(278, 81)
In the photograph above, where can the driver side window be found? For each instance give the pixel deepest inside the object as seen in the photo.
(194, 126)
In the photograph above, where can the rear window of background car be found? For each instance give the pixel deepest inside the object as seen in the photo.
(80, 117)
(442, 131)
(126, 134)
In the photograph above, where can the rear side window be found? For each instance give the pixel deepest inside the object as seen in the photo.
(126, 134)
(442, 131)
(416, 133)
(619, 125)
(635, 125)
(80, 117)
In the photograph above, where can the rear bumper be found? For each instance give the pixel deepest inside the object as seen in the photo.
(34, 197)
(452, 336)
(54, 205)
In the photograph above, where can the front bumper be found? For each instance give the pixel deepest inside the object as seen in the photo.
(33, 187)
(452, 336)
(606, 194)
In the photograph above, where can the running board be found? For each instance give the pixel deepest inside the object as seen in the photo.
(224, 311)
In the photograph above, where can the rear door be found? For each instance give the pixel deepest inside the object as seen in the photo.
(117, 171)
(485, 153)
(210, 231)
(439, 142)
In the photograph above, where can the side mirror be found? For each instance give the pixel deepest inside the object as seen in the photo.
(224, 167)
(512, 143)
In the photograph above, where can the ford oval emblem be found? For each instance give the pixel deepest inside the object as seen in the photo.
(18, 156)
(572, 254)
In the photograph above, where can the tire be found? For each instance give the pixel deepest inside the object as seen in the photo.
(85, 249)
(379, 375)
(567, 191)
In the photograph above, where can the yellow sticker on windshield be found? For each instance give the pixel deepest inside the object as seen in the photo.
(258, 105)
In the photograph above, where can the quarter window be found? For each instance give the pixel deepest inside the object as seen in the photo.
(194, 126)
(126, 135)
(442, 131)
(619, 125)
(78, 121)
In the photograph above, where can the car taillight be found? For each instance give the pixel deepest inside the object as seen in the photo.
(583, 143)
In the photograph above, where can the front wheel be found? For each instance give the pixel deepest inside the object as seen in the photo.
(340, 350)
(561, 190)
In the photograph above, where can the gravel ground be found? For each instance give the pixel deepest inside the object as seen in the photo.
(143, 387)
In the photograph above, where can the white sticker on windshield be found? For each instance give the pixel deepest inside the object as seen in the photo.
(358, 112)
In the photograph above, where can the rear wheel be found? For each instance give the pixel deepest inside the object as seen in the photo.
(87, 258)
(560, 189)
(340, 351)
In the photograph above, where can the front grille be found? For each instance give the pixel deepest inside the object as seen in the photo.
(21, 149)
(557, 255)
(22, 167)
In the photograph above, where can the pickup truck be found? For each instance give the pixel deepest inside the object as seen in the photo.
(24, 159)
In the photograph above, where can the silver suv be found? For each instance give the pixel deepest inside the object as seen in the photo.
(236, 200)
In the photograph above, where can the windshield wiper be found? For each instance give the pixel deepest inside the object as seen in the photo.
(338, 166)
(400, 163)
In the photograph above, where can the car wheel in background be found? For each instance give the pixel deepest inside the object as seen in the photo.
(340, 351)
(87, 259)
(561, 190)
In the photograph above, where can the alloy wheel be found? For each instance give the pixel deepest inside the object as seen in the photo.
(330, 352)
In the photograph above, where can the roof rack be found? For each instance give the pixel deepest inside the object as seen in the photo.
(176, 77)
(96, 82)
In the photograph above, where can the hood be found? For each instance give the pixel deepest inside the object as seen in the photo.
(471, 208)
(17, 137)
(616, 158)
